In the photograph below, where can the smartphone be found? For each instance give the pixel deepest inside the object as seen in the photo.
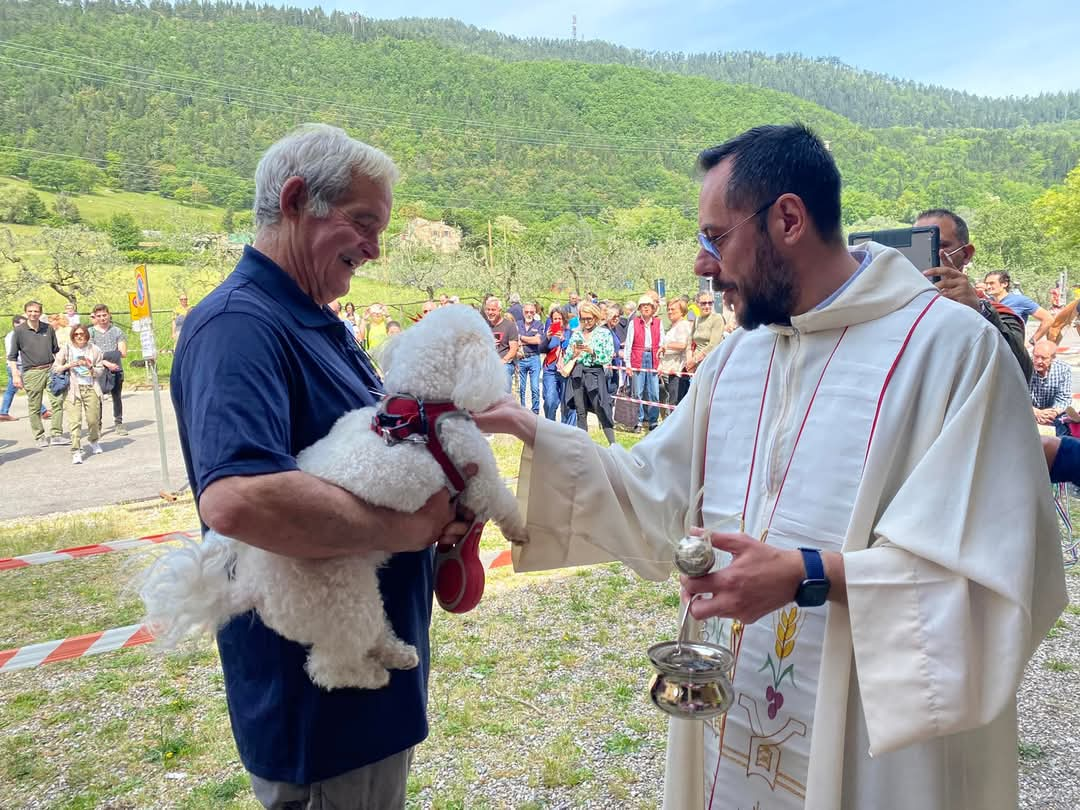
(920, 245)
(661, 287)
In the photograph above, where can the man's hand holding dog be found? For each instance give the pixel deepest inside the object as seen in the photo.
(440, 520)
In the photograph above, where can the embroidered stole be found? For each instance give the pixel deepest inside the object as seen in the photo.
(766, 734)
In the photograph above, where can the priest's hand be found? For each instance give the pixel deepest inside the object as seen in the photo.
(760, 579)
(508, 416)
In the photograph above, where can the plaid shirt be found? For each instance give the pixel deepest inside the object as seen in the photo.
(1054, 390)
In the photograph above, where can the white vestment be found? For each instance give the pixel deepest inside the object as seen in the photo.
(920, 462)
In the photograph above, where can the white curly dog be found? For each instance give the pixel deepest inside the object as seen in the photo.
(335, 605)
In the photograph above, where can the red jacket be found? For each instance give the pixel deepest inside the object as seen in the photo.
(637, 348)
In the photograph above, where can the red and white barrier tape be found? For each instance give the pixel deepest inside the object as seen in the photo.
(651, 371)
(76, 552)
(119, 638)
(48, 652)
(663, 405)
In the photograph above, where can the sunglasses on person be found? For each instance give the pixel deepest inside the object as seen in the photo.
(711, 244)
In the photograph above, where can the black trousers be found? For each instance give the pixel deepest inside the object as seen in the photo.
(586, 400)
(117, 404)
(675, 388)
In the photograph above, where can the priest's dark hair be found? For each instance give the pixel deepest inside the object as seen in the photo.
(768, 161)
(957, 221)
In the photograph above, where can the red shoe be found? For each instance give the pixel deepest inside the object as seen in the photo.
(47, 415)
(5, 417)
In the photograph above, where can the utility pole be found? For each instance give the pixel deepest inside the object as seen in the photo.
(491, 250)
(573, 28)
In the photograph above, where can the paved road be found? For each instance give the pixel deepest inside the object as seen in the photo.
(36, 482)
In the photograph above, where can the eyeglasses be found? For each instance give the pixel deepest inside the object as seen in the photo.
(707, 303)
(949, 255)
(710, 243)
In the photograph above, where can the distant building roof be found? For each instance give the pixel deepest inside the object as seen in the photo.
(437, 235)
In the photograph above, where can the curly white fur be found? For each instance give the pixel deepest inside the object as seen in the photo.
(335, 605)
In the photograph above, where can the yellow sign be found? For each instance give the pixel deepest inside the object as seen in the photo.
(139, 300)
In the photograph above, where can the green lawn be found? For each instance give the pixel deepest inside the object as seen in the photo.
(148, 209)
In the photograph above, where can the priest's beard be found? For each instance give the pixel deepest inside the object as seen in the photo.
(770, 295)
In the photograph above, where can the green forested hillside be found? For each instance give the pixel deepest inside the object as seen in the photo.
(183, 99)
(577, 164)
(866, 98)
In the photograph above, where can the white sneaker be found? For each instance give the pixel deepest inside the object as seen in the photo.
(95, 448)
(76, 457)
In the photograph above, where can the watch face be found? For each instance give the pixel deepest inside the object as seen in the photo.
(813, 592)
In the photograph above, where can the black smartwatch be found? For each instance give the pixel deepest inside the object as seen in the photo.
(814, 590)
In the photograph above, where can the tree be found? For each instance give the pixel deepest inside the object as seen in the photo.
(205, 269)
(1058, 212)
(65, 175)
(25, 208)
(65, 211)
(227, 223)
(123, 231)
(198, 193)
(584, 260)
(419, 267)
(73, 261)
(650, 224)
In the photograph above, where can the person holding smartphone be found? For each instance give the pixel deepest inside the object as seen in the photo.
(955, 251)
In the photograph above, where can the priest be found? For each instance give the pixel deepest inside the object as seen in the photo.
(880, 587)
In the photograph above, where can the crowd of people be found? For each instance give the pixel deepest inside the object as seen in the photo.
(582, 356)
(67, 368)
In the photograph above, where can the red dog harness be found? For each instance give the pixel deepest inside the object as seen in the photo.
(401, 418)
(459, 574)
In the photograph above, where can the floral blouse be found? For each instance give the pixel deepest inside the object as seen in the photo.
(601, 347)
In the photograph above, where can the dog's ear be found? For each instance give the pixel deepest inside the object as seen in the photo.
(481, 377)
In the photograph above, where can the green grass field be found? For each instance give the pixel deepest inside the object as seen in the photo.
(150, 209)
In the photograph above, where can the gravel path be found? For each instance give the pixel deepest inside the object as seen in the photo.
(537, 702)
(1049, 712)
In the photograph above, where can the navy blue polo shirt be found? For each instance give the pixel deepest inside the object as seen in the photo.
(533, 329)
(261, 372)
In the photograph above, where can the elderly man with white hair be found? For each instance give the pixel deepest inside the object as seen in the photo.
(263, 369)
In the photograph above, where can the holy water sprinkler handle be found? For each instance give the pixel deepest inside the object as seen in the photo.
(694, 556)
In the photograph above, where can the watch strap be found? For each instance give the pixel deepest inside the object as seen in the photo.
(815, 568)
